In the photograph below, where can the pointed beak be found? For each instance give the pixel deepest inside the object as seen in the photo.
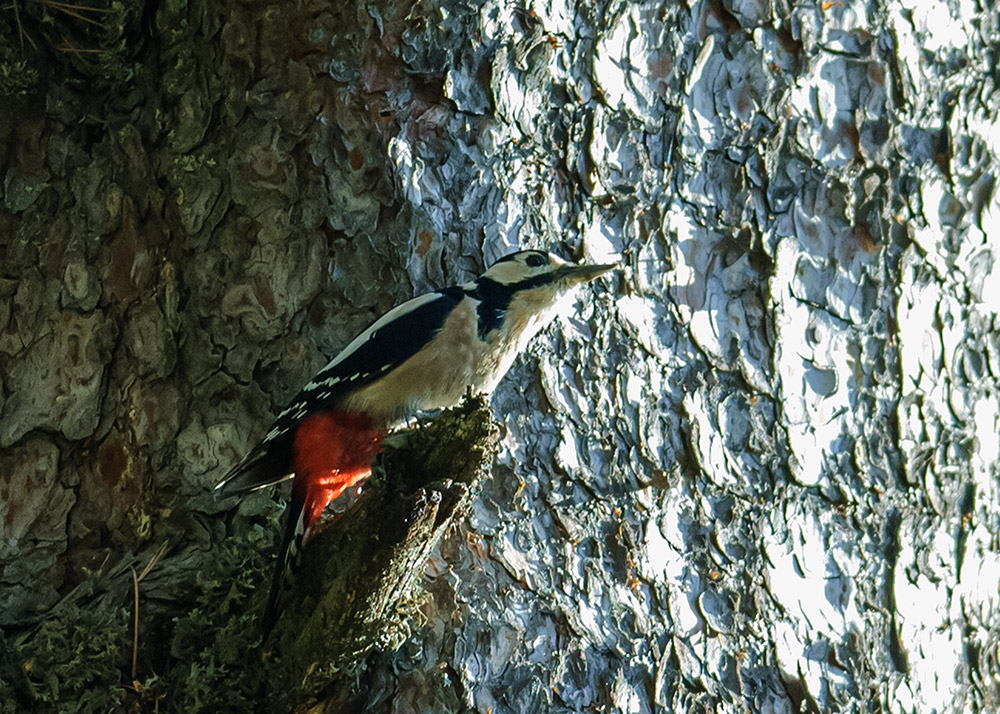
(579, 274)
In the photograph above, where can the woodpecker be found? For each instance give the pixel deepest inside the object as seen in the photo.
(424, 354)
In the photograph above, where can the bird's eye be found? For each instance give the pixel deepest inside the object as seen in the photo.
(535, 260)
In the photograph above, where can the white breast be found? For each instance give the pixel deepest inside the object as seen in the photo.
(435, 377)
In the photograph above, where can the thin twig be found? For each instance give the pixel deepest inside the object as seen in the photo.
(20, 29)
(61, 5)
(136, 578)
(152, 561)
(135, 623)
(69, 10)
(67, 47)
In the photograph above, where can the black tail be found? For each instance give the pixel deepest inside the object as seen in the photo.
(266, 465)
(288, 554)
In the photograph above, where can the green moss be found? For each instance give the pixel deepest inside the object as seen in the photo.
(204, 660)
(190, 163)
(75, 661)
(47, 41)
(17, 77)
(214, 646)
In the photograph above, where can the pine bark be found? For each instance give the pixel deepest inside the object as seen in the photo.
(755, 470)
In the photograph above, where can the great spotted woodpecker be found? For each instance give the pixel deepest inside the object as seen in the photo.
(424, 354)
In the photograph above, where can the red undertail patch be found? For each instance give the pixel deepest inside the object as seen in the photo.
(332, 452)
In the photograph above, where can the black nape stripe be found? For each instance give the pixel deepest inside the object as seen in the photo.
(495, 298)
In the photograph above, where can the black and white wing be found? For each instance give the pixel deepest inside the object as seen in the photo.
(390, 341)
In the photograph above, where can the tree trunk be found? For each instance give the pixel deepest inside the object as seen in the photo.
(755, 470)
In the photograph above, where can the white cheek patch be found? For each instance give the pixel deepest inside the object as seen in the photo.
(509, 272)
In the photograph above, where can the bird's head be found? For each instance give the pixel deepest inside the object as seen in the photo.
(532, 286)
(531, 270)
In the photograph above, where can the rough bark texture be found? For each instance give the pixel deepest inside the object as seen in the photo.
(759, 472)
(354, 590)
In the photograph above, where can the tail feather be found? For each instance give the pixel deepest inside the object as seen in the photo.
(309, 499)
(262, 467)
(288, 555)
